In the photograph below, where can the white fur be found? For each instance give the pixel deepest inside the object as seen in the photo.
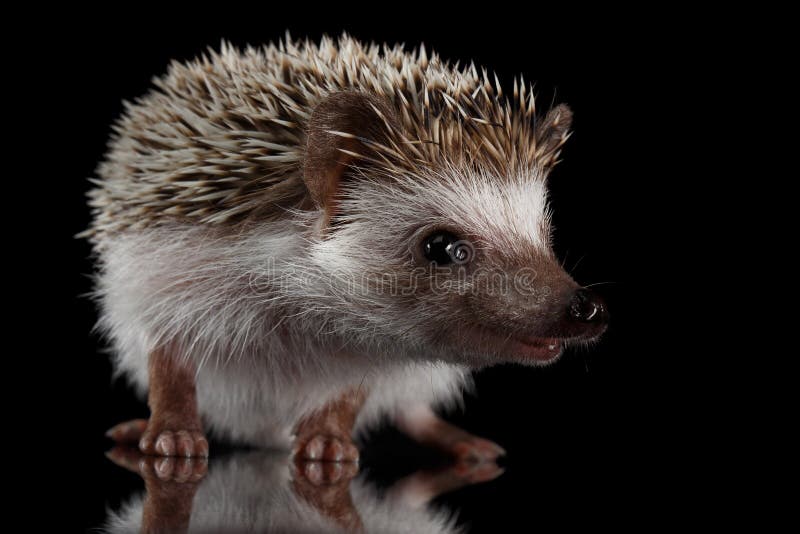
(509, 212)
(253, 385)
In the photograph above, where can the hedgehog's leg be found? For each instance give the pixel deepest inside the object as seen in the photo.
(326, 434)
(421, 424)
(174, 427)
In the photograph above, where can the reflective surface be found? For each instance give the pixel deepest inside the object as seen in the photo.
(258, 491)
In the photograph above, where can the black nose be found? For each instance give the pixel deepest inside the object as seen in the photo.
(587, 307)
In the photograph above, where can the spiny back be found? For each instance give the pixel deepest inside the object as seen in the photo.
(221, 139)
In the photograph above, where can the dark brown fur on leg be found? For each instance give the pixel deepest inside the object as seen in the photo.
(325, 459)
(174, 427)
(327, 434)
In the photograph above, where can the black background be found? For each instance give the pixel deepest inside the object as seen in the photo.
(592, 438)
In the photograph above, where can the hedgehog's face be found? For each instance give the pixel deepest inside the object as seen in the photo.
(460, 266)
(454, 265)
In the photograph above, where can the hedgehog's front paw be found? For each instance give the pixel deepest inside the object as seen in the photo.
(325, 448)
(186, 443)
(164, 469)
(155, 439)
(316, 473)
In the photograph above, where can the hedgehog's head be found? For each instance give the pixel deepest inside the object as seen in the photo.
(451, 260)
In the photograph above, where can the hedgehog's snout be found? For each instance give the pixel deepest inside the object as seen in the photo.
(587, 307)
(587, 315)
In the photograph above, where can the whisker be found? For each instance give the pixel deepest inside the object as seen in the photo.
(598, 284)
(576, 264)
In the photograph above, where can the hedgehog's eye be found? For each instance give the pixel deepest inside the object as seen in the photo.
(443, 248)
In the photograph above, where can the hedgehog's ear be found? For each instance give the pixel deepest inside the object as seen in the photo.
(551, 132)
(340, 130)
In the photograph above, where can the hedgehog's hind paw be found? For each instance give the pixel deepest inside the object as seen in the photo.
(129, 432)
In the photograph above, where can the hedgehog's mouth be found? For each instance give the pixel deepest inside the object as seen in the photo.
(542, 349)
(516, 347)
(539, 350)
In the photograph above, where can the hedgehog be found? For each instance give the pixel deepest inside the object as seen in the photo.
(298, 241)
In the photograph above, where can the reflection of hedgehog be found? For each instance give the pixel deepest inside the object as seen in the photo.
(258, 492)
(288, 233)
